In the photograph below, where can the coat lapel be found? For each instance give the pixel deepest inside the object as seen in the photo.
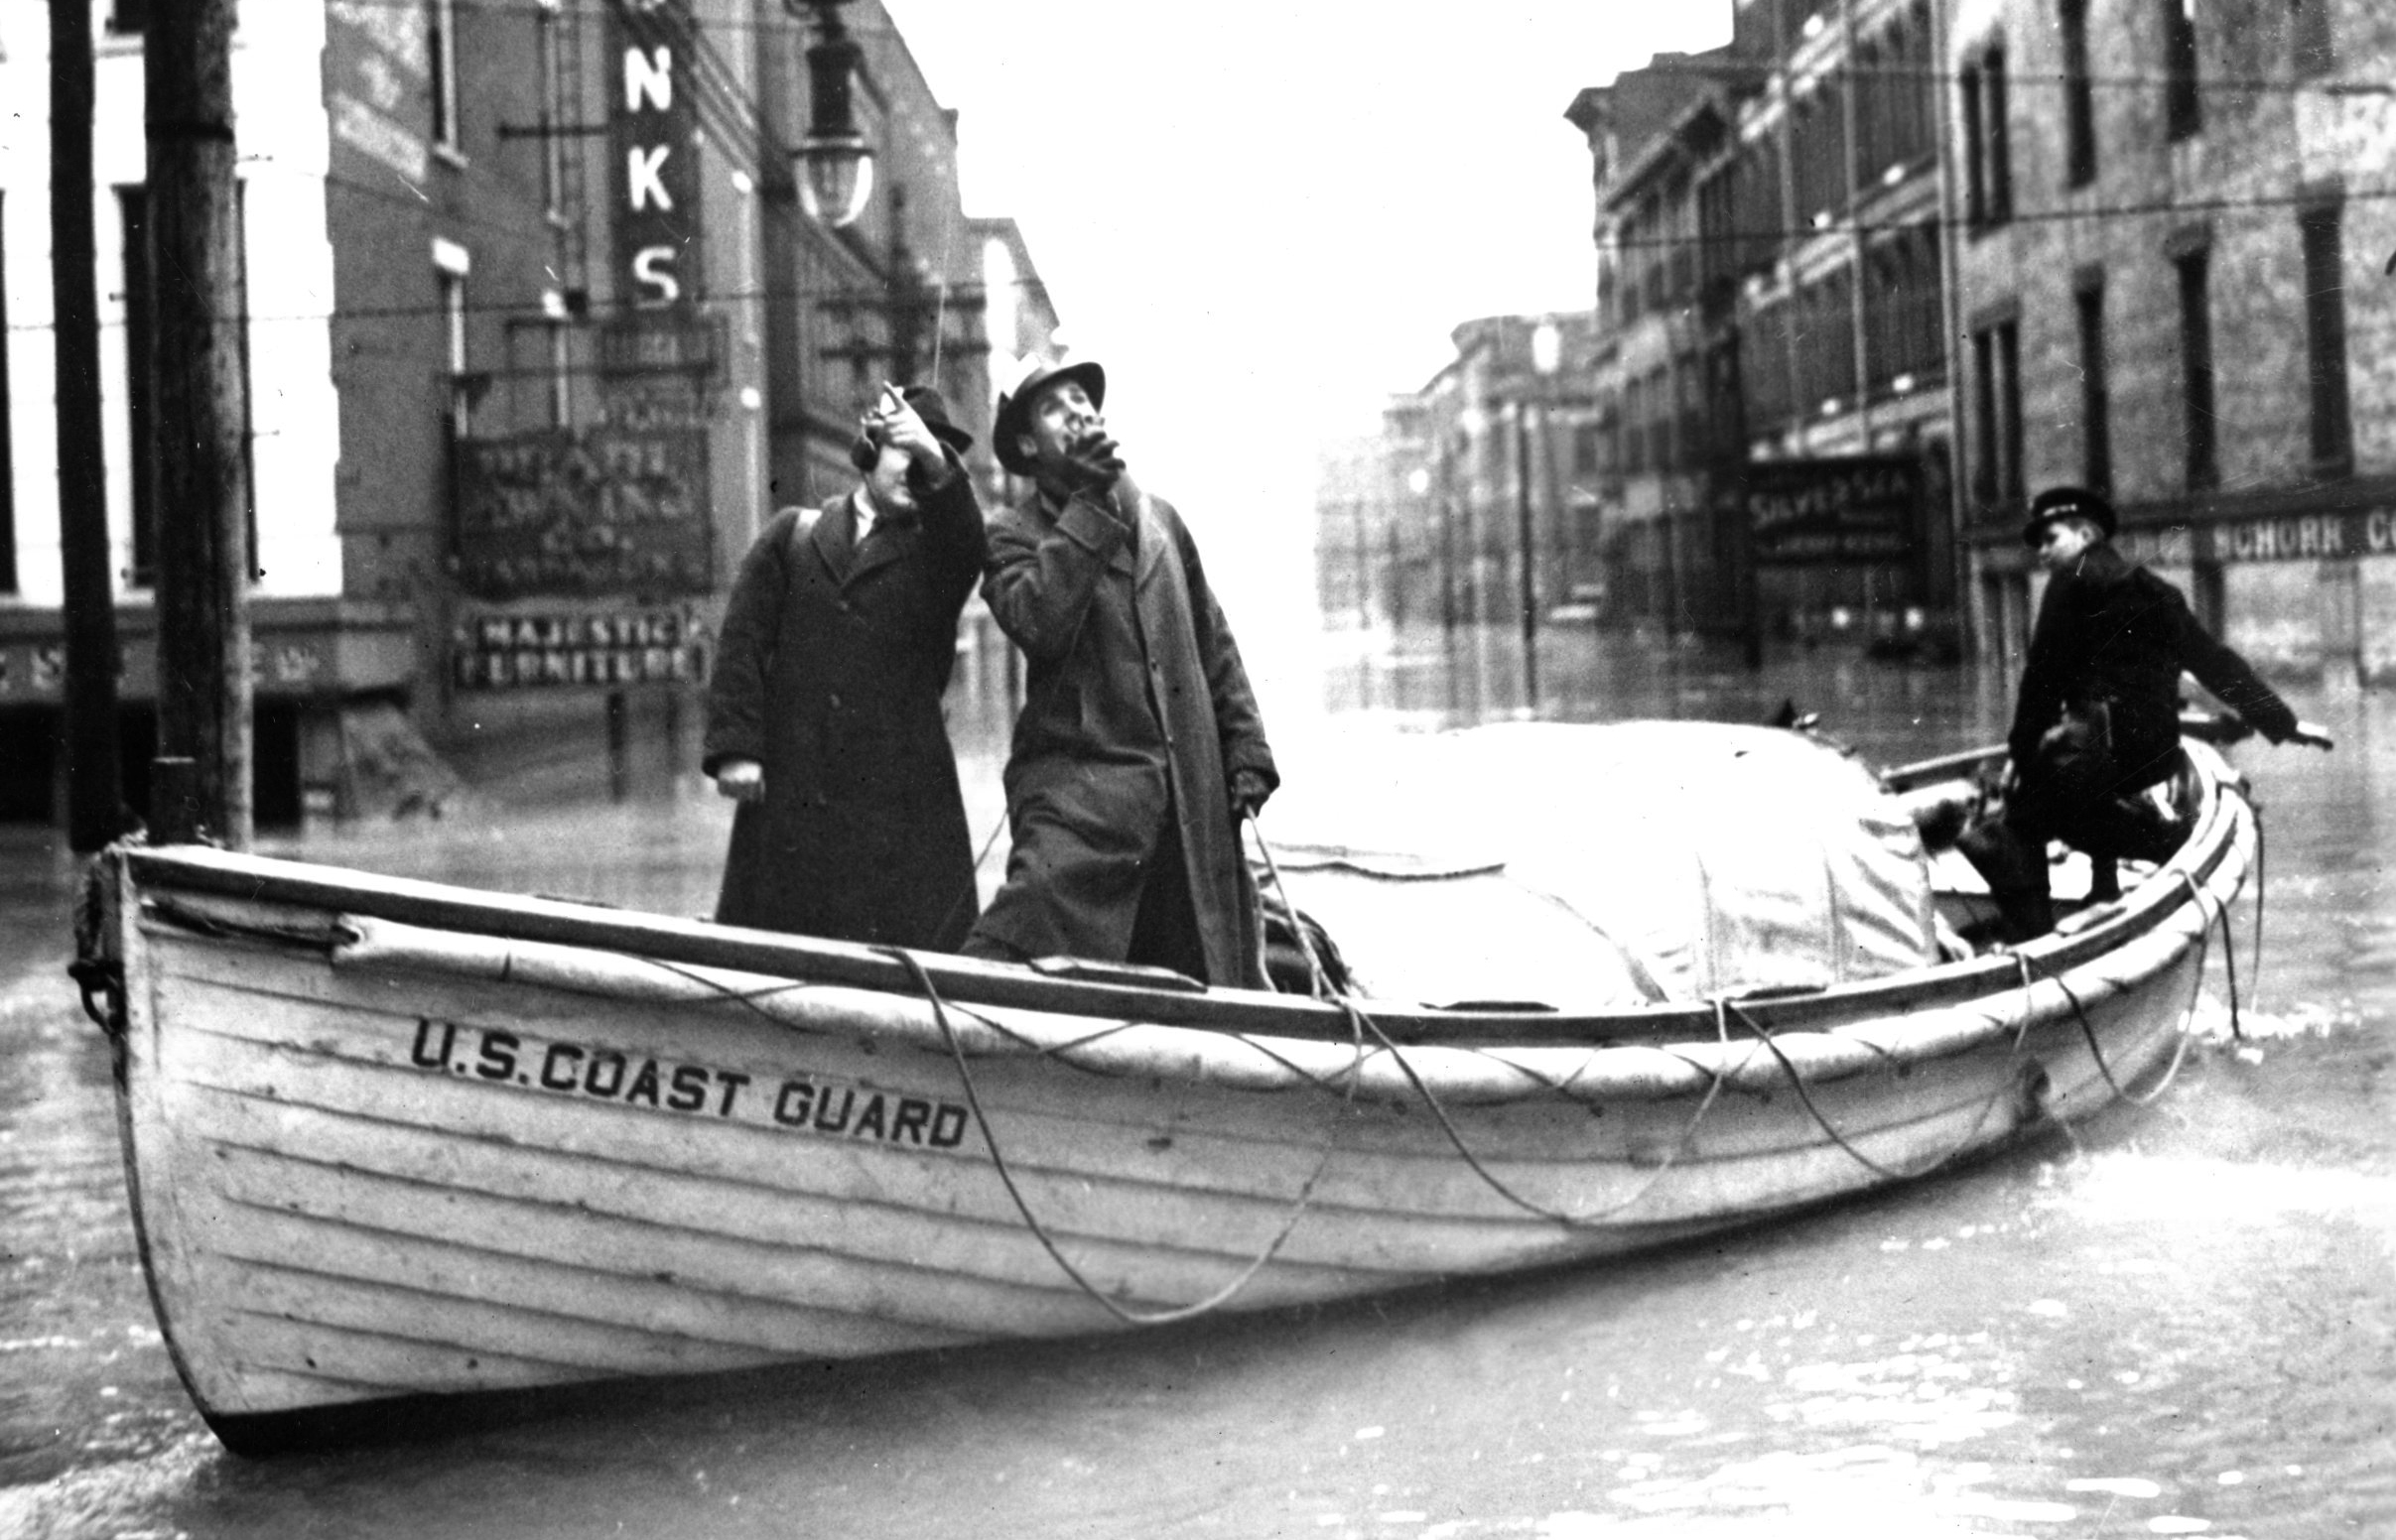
(886, 542)
(1136, 555)
(834, 540)
(1152, 539)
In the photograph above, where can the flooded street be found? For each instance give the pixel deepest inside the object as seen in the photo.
(2181, 1320)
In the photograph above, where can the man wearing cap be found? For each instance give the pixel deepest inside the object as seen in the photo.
(2098, 718)
(1140, 744)
(823, 708)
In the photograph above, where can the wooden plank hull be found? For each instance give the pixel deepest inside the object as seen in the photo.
(374, 1159)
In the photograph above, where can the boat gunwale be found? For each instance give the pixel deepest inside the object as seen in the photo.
(969, 982)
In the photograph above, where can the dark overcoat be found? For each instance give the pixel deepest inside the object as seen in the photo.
(1136, 707)
(828, 672)
(2108, 649)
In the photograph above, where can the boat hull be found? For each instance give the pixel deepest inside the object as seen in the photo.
(372, 1159)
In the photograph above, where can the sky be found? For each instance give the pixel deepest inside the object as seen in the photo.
(1265, 218)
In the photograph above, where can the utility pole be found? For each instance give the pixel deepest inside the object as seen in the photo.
(201, 781)
(1522, 536)
(95, 774)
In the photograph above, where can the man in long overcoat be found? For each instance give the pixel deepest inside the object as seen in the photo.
(1140, 744)
(2097, 717)
(823, 708)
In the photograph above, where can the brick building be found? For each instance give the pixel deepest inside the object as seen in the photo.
(2172, 221)
(1772, 298)
(1428, 521)
(539, 332)
(1665, 365)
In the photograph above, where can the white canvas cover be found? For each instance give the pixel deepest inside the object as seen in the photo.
(1601, 865)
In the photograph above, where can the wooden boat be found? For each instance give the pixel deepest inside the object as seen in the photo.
(389, 1140)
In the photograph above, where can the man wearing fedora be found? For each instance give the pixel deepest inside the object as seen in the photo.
(824, 715)
(1139, 745)
(2098, 718)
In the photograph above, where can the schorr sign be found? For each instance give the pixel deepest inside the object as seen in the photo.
(608, 510)
(1835, 510)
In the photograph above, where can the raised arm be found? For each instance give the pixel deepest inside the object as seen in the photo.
(953, 526)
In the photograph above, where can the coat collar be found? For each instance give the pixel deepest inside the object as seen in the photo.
(1136, 556)
(835, 543)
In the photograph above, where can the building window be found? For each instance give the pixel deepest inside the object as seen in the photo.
(2326, 340)
(1997, 414)
(2079, 103)
(561, 373)
(557, 111)
(452, 315)
(2314, 51)
(2196, 368)
(1691, 442)
(1659, 418)
(1764, 378)
(133, 214)
(1818, 156)
(1988, 148)
(451, 265)
(1634, 425)
(2183, 109)
(441, 43)
(2095, 393)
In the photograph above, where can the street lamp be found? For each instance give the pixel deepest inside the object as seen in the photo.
(834, 162)
(1546, 352)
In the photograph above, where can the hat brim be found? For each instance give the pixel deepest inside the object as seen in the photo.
(2034, 529)
(1013, 418)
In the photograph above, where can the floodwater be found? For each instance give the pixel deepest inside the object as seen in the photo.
(2180, 1321)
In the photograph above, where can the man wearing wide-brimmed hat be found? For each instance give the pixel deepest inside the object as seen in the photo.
(824, 707)
(1140, 744)
(2098, 718)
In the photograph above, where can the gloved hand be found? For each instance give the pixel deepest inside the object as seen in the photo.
(742, 780)
(1093, 465)
(1249, 789)
(2311, 735)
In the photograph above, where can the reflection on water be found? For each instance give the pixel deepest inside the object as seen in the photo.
(2180, 1321)
(1431, 678)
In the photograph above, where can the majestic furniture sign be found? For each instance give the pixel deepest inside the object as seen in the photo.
(627, 645)
(1846, 508)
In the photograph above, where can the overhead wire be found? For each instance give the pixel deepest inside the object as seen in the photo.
(741, 131)
(2328, 80)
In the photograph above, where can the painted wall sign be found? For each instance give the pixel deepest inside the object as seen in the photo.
(294, 663)
(546, 651)
(653, 174)
(606, 510)
(2310, 537)
(1849, 508)
(377, 82)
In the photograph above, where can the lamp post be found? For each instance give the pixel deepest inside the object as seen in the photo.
(835, 164)
(1547, 347)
